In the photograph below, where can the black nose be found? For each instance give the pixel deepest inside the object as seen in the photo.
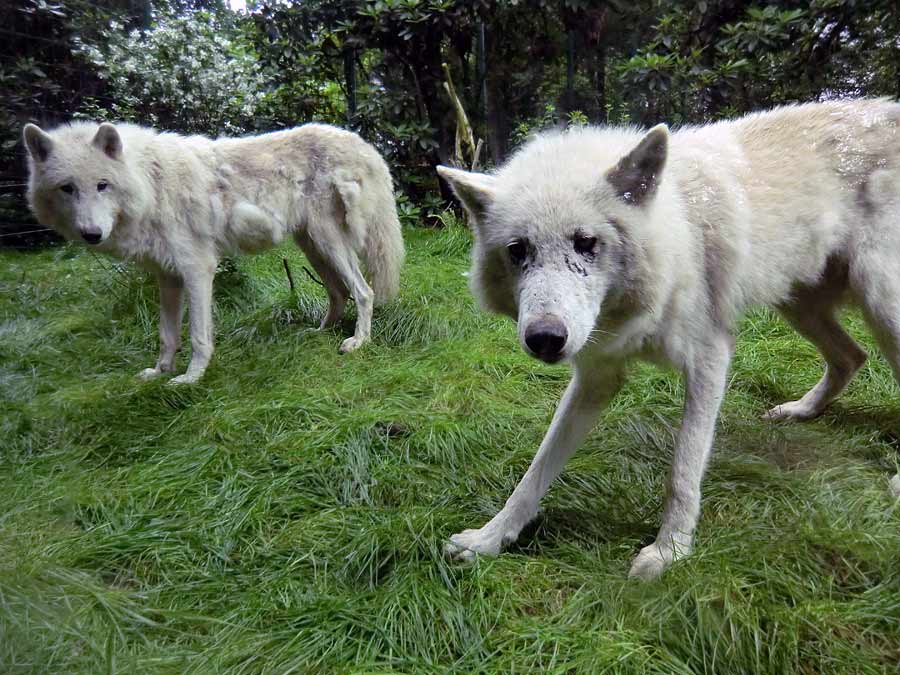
(546, 338)
(92, 236)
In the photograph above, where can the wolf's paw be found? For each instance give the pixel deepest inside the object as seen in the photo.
(187, 378)
(895, 485)
(792, 410)
(652, 561)
(352, 344)
(149, 374)
(466, 545)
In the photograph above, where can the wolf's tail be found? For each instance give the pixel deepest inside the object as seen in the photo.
(383, 252)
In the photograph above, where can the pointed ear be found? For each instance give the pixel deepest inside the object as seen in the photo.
(108, 140)
(475, 190)
(38, 142)
(637, 175)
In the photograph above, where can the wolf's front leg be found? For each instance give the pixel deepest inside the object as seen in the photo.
(199, 285)
(704, 388)
(171, 306)
(584, 398)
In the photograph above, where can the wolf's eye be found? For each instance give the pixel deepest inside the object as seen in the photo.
(68, 188)
(517, 250)
(584, 244)
(102, 185)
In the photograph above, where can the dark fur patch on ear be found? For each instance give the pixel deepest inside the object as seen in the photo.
(108, 140)
(637, 175)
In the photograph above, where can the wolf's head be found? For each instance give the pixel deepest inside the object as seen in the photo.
(558, 232)
(79, 182)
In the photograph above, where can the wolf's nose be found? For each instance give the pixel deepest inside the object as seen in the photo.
(546, 338)
(92, 235)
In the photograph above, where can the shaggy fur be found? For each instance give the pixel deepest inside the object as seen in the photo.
(606, 244)
(176, 205)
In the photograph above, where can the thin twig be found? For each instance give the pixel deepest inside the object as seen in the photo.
(312, 276)
(21, 234)
(287, 270)
(115, 273)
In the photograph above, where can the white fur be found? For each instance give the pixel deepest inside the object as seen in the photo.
(797, 208)
(176, 205)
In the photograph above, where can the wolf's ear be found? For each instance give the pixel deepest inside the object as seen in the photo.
(38, 142)
(637, 175)
(108, 140)
(475, 190)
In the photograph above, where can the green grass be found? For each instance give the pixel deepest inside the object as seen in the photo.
(287, 514)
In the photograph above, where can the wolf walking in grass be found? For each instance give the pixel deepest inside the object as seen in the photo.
(606, 245)
(176, 205)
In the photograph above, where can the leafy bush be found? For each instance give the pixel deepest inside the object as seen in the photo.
(190, 73)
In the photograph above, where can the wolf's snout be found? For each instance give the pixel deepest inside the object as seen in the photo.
(546, 337)
(92, 235)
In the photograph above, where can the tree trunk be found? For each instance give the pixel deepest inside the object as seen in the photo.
(350, 79)
(426, 60)
(594, 27)
(140, 15)
(600, 84)
(567, 104)
(709, 33)
(496, 120)
(481, 72)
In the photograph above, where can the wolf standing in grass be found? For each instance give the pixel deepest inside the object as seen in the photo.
(605, 245)
(175, 205)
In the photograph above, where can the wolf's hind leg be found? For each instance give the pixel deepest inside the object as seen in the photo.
(843, 357)
(581, 404)
(347, 266)
(875, 280)
(171, 312)
(877, 285)
(881, 308)
(337, 290)
(338, 256)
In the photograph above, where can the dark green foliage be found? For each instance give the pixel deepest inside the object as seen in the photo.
(708, 60)
(377, 67)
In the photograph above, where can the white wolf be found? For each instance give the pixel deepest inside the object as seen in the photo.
(176, 204)
(605, 245)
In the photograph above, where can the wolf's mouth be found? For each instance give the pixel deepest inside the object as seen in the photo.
(549, 359)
